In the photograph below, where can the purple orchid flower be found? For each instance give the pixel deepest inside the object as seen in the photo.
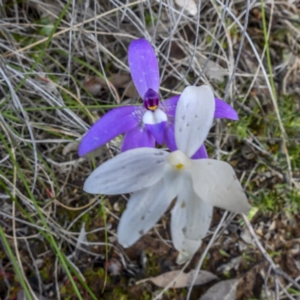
(142, 126)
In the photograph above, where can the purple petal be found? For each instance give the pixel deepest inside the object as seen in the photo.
(170, 137)
(110, 125)
(157, 131)
(169, 105)
(137, 138)
(201, 153)
(143, 66)
(224, 110)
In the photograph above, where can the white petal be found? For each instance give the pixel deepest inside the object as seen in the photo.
(188, 251)
(143, 210)
(154, 117)
(127, 172)
(191, 218)
(160, 115)
(199, 215)
(215, 183)
(193, 118)
(186, 248)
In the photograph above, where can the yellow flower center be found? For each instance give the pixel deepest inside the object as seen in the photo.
(178, 160)
(179, 166)
(154, 107)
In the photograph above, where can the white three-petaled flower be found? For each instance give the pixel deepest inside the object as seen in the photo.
(156, 177)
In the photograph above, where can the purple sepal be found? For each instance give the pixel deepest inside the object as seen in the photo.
(201, 153)
(143, 66)
(110, 125)
(157, 131)
(137, 138)
(169, 106)
(224, 110)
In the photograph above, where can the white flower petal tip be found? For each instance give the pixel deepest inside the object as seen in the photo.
(183, 258)
(127, 172)
(216, 184)
(124, 244)
(154, 117)
(188, 250)
(193, 118)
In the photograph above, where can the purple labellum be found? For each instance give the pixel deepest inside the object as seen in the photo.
(158, 131)
(151, 100)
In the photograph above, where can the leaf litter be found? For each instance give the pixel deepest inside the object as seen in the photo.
(178, 279)
(223, 290)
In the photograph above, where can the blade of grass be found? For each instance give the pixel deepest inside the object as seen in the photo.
(14, 262)
(114, 10)
(49, 237)
(273, 89)
(44, 232)
(48, 41)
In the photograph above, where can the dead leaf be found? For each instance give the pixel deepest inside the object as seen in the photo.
(212, 70)
(182, 279)
(120, 80)
(215, 71)
(70, 147)
(224, 290)
(22, 296)
(233, 263)
(189, 5)
(81, 240)
(130, 91)
(95, 84)
(124, 81)
(246, 237)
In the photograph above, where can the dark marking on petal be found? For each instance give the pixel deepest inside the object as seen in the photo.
(187, 124)
(184, 229)
(159, 153)
(141, 232)
(143, 218)
(183, 205)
